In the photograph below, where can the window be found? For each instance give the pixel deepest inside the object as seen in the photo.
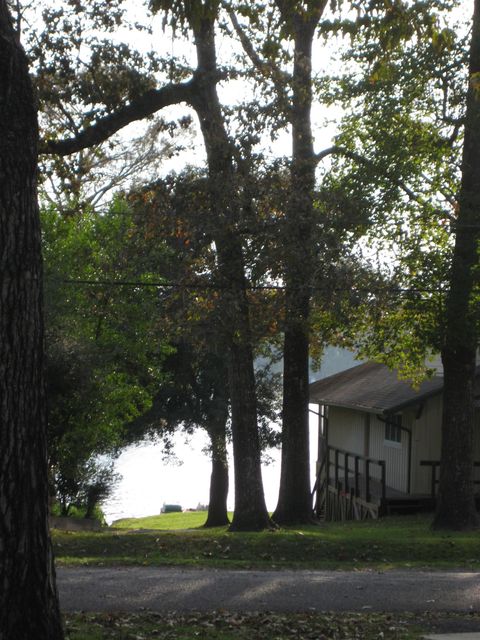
(393, 431)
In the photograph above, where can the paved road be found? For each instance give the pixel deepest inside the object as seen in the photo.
(168, 589)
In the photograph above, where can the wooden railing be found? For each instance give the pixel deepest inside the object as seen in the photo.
(434, 464)
(352, 473)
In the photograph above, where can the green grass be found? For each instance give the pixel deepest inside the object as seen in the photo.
(264, 626)
(164, 521)
(394, 542)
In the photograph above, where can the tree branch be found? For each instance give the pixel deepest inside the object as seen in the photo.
(267, 68)
(299, 17)
(358, 158)
(285, 9)
(140, 108)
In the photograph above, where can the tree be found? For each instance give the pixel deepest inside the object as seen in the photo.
(137, 98)
(177, 211)
(250, 509)
(414, 77)
(456, 504)
(294, 502)
(105, 345)
(195, 395)
(292, 27)
(28, 577)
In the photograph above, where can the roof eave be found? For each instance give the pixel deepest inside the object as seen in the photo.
(414, 401)
(384, 410)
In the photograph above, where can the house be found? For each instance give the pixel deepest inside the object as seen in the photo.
(379, 442)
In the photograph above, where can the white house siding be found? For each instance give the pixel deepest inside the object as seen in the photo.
(426, 444)
(346, 431)
(394, 454)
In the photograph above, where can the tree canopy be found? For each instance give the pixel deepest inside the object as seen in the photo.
(105, 344)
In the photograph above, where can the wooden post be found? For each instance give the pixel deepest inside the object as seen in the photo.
(357, 488)
(327, 467)
(327, 480)
(367, 480)
(336, 468)
(345, 462)
(322, 459)
(384, 480)
(434, 477)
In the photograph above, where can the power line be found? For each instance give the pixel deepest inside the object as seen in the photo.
(219, 287)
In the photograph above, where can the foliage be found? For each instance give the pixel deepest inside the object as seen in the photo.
(79, 512)
(176, 211)
(83, 71)
(104, 347)
(397, 152)
(391, 176)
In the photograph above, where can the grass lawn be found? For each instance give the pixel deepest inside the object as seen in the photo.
(260, 626)
(393, 542)
(165, 521)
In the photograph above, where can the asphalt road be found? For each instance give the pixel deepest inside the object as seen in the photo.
(157, 589)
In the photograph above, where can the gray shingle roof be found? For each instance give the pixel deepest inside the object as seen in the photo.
(371, 387)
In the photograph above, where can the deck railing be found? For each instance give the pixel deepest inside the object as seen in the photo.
(434, 480)
(353, 473)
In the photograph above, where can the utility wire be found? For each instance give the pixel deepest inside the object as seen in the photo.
(218, 287)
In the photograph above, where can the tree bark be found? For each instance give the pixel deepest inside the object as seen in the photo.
(456, 505)
(217, 505)
(28, 597)
(294, 501)
(250, 510)
(217, 432)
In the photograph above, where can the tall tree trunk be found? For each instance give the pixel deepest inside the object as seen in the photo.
(250, 509)
(456, 506)
(217, 505)
(28, 597)
(294, 501)
(217, 432)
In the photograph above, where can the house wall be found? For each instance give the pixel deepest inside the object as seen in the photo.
(395, 454)
(348, 430)
(426, 443)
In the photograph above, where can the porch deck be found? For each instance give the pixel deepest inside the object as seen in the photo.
(342, 505)
(350, 486)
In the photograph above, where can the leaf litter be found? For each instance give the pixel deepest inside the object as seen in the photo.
(223, 625)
